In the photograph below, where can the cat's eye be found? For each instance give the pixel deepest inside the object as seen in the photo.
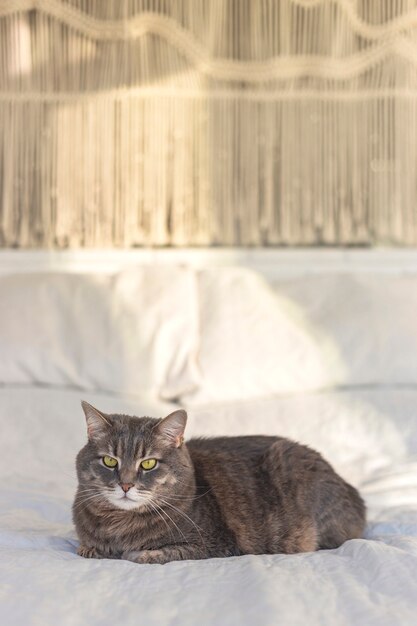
(148, 464)
(109, 461)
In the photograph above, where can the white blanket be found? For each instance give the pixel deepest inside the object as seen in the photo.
(364, 582)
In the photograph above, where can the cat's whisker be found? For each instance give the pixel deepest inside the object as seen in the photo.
(87, 492)
(170, 518)
(158, 511)
(184, 515)
(88, 499)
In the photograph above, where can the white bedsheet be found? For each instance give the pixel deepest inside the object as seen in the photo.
(364, 582)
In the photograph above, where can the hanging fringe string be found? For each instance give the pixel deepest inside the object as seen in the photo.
(229, 122)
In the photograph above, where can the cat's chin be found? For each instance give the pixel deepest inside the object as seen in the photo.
(126, 504)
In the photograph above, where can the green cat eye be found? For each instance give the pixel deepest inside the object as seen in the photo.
(109, 461)
(148, 464)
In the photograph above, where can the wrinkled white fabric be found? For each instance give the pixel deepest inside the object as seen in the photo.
(370, 581)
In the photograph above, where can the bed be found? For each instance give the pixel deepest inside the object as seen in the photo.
(349, 326)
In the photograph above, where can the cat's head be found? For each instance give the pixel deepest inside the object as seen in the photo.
(132, 462)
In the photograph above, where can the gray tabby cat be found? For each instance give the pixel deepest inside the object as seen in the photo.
(146, 496)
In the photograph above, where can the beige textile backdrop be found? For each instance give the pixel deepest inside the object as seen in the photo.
(208, 122)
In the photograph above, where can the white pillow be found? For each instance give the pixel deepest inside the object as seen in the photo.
(370, 320)
(131, 332)
(253, 342)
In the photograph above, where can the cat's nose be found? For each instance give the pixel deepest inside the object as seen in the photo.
(126, 486)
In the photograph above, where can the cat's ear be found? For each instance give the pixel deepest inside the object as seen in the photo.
(97, 422)
(171, 428)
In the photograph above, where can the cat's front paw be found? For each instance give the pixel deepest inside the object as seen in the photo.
(145, 556)
(88, 552)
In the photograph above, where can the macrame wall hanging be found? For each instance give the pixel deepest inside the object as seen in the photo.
(208, 122)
